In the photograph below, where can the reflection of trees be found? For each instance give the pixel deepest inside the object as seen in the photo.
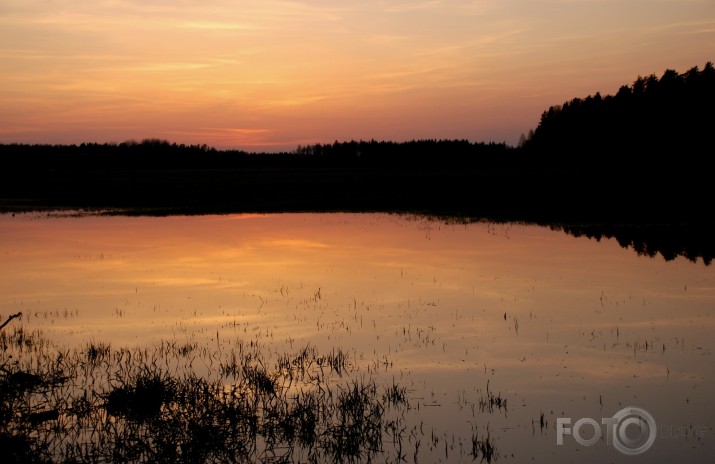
(670, 241)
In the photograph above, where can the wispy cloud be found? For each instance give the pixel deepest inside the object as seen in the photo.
(257, 71)
(686, 27)
(401, 7)
(176, 66)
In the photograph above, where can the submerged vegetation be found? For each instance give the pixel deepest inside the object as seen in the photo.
(105, 404)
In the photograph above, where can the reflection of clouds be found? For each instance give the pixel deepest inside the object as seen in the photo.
(296, 244)
(396, 291)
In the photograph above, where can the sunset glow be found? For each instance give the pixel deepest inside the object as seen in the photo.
(272, 74)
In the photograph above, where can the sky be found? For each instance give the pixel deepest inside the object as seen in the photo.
(269, 75)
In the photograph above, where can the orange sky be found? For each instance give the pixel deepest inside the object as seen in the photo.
(272, 74)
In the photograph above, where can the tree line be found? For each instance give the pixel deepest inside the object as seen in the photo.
(430, 152)
(162, 154)
(672, 115)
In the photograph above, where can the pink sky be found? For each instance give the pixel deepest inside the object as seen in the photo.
(272, 74)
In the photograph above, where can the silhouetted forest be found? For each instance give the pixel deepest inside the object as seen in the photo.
(158, 176)
(673, 116)
(161, 154)
(640, 156)
(426, 153)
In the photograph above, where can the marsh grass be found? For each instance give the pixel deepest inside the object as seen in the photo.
(483, 448)
(100, 403)
(492, 402)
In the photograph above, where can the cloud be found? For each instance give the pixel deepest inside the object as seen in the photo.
(699, 26)
(224, 136)
(231, 67)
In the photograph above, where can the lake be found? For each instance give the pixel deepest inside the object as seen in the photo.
(509, 331)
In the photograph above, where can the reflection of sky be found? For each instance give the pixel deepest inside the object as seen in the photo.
(428, 297)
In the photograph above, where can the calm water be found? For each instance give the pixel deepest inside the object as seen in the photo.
(555, 325)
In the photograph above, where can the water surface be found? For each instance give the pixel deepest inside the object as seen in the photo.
(553, 324)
